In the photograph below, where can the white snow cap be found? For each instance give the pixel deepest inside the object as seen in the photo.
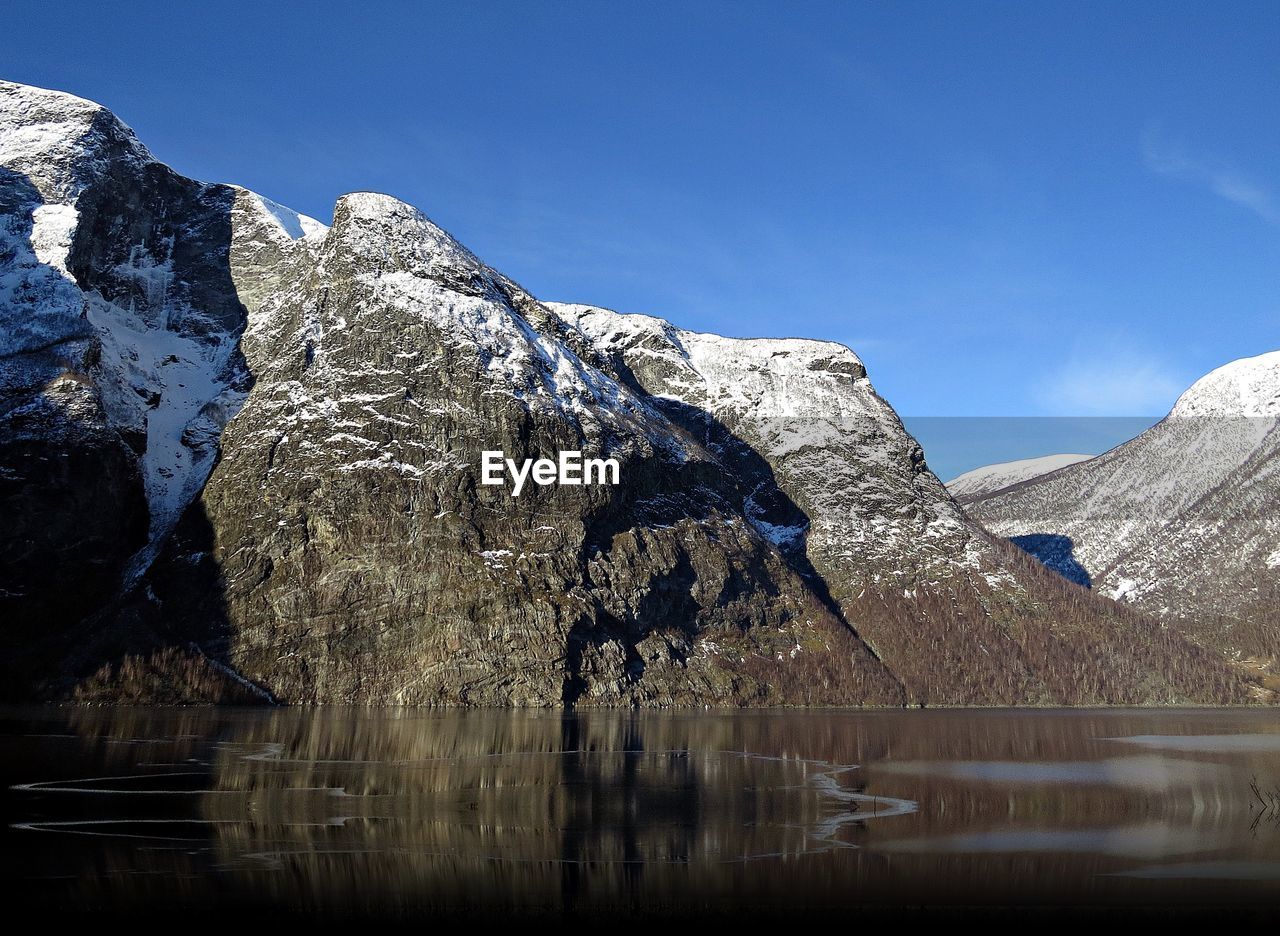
(1003, 474)
(57, 138)
(368, 222)
(1249, 387)
(296, 226)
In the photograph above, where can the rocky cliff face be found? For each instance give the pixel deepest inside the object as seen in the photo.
(119, 358)
(1179, 522)
(372, 565)
(252, 444)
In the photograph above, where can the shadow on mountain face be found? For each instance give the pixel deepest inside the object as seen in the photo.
(748, 489)
(73, 507)
(168, 640)
(757, 493)
(1057, 553)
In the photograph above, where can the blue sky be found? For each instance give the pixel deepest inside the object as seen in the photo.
(1005, 208)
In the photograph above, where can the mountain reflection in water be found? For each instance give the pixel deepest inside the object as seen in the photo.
(406, 811)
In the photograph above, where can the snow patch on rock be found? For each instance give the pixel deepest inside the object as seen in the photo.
(39, 303)
(52, 229)
(296, 226)
(60, 142)
(176, 389)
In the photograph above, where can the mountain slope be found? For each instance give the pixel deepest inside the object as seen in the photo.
(389, 573)
(994, 477)
(1179, 522)
(837, 482)
(241, 450)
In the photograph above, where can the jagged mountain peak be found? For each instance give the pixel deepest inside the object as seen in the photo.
(808, 407)
(372, 225)
(283, 220)
(619, 328)
(783, 352)
(781, 378)
(409, 271)
(61, 142)
(1249, 387)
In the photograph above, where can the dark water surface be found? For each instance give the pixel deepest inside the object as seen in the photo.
(391, 812)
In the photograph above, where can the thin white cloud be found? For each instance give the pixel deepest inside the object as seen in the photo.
(1246, 194)
(1111, 384)
(1172, 161)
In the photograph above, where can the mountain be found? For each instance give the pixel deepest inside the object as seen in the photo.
(1181, 522)
(844, 491)
(990, 478)
(240, 459)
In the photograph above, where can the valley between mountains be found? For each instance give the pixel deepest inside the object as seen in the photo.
(240, 462)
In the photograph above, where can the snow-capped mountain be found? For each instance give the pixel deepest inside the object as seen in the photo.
(808, 410)
(1181, 521)
(990, 478)
(835, 480)
(239, 455)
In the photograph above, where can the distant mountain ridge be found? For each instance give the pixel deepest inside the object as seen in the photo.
(239, 460)
(1180, 522)
(1000, 475)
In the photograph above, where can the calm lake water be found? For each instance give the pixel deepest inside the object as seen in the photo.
(391, 812)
